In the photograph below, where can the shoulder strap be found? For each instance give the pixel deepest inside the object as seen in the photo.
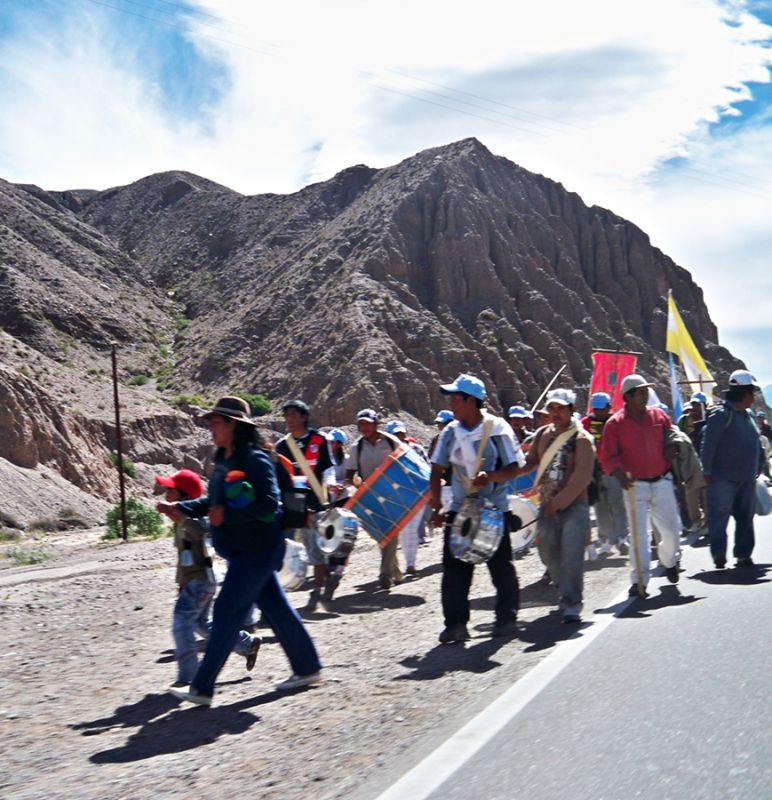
(465, 479)
(550, 452)
(313, 481)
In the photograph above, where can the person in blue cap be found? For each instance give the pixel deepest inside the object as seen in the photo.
(458, 446)
(609, 498)
(519, 418)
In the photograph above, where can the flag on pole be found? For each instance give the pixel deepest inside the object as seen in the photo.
(678, 406)
(608, 369)
(680, 343)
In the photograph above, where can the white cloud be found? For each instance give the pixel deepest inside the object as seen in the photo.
(595, 94)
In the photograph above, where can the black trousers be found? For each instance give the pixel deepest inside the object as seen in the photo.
(457, 580)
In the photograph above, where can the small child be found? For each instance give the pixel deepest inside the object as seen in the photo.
(196, 582)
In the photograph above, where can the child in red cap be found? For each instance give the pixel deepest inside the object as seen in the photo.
(196, 582)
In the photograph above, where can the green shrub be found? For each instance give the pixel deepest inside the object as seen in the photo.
(187, 400)
(138, 380)
(128, 466)
(23, 557)
(141, 520)
(181, 323)
(259, 405)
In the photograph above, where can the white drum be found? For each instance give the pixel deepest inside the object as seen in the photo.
(294, 568)
(523, 516)
(336, 532)
(476, 532)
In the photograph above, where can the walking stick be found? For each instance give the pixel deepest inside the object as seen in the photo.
(549, 385)
(634, 531)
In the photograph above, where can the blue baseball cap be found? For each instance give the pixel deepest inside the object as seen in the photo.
(337, 435)
(466, 384)
(600, 400)
(444, 416)
(699, 397)
(396, 426)
(518, 411)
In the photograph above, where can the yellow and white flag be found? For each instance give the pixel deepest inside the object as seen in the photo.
(680, 343)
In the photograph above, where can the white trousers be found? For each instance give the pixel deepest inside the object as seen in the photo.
(408, 538)
(655, 502)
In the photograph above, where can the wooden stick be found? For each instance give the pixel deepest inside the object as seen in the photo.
(549, 386)
(634, 531)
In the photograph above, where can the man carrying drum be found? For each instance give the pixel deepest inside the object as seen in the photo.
(366, 455)
(473, 442)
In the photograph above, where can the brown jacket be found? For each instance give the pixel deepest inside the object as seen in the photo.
(579, 468)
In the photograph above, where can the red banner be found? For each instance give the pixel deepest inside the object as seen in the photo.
(608, 369)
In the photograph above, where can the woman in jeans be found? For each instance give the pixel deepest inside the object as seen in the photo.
(243, 508)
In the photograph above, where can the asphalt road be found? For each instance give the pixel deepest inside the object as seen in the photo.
(673, 701)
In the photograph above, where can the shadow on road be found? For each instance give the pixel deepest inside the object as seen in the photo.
(737, 576)
(474, 656)
(177, 730)
(640, 608)
(547, 631)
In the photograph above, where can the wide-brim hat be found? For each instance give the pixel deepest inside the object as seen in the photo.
(232, 408)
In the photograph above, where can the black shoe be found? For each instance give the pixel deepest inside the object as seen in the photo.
(313, 600)
(635, 593)
(719, 561)
(330, 585)
(252, 653)
(455, 633)
(571, 619)
(671, 573)
(745, 561)
(506, 628)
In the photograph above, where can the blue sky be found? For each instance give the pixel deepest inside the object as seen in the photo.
(657, 109)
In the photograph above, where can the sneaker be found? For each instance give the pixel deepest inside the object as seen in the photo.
(623, 548)
(633, 592)
(745, 561)
(298, 682)
(505, 629)
(571, 619)
(455, 633)
(605, 548)
(192, 695)
(591, 552)
(251, 655)
(719, 561)
(330, 585)
(411, 571)
(384, 582)
(313, 600)
(180, 684)
(671, 573)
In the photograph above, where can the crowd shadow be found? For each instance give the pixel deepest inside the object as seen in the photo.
(475, 656)
(365, 603)
(546, 631)
(734, 576)
(669, 596)
(165, 726)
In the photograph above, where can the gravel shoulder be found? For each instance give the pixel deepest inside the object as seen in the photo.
(88, 656)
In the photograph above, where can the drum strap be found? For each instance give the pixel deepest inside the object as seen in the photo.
(465, 479)
(552, 450)
(313, 481)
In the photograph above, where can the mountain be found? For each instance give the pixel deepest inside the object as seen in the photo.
(368, 289)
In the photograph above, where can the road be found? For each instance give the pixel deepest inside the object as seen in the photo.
(667, 697)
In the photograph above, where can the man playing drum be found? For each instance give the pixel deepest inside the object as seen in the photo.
(460, 445)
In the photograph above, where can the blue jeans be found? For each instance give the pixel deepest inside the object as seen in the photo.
(191, 613)
(251, 578)
(562, 539)
(735, 499)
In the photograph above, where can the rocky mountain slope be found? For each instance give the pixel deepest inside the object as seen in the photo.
(366, 290)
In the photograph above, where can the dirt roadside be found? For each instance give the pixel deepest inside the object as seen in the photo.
(87, 657)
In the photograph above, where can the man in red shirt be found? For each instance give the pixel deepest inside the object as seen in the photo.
(636, 450)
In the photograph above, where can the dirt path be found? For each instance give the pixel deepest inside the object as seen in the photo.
(87, 657)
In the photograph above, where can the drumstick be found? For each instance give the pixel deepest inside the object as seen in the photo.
(549, 385)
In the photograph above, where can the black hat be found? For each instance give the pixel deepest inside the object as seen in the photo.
(298, 404)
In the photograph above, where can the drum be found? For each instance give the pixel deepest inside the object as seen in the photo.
(392, 495)
(523, 515)
(476, 531)
(336, 532)
(293, 570)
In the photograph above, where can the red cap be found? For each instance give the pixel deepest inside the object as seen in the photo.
(185, 481)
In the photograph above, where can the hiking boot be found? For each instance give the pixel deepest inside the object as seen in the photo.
(745, 561)
(313, 600)
(633, 592)
(505, 629)
(623, 548)
(455, 633)
(671, 573)
(251, 655)
(298, 682)
(330, 585)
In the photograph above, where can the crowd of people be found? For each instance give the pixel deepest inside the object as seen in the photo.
(645, 479)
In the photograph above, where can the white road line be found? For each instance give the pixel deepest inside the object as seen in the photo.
(437, 767)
